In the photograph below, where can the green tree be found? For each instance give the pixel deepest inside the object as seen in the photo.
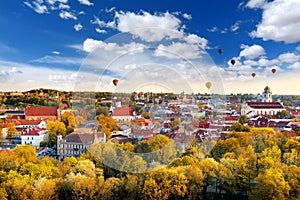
(243, 119)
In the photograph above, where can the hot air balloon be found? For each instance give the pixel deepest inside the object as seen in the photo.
(253, 75)
(220, 51)
(232, 62)
(273, 70)
(208, 85)
(115, 82)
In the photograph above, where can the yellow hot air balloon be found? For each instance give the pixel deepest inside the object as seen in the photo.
(208, 85)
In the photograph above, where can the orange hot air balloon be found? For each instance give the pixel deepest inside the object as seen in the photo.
(220, 51)
(273, 70)
(115, 82)
(208, 85)
(232, 61)
(253, 75)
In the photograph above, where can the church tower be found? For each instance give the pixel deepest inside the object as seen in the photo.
(267, 95)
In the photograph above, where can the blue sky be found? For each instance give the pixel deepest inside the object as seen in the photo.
(84, 44)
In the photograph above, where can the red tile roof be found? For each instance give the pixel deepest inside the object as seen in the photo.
(123, 111)
(231, 118)
(18, 122)
(33, 131)
(265, 105)
(41, 111)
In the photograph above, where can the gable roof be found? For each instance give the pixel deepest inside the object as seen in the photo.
(41, 111)
(123, 111)
(265, 105)
(76, 137)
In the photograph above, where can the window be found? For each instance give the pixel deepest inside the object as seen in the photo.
(27, 138)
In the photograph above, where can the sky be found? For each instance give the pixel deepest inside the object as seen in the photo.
(167, 46)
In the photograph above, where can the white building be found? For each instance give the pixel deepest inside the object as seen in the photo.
(34, 136)
(265, 107)
(123, 113)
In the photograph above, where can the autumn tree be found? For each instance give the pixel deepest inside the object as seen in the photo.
(108, 124)
(69, 120)
(11, 130)
(165, 184)
(271, 185)
(54, 129)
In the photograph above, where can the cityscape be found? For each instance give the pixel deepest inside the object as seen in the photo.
(150, 100)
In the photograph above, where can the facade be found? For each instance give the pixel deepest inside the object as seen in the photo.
(42, 112)
(123, 130)
(34, 136)
(77, 143)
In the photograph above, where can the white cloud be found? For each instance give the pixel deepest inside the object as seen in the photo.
(108, 10)
(149, 27)
(252, 52)
(187, 16)
(78, 27)
(298, 48)
(67, 15)
(235, 26)
(103, 24)
(289, 57)
(213, 29)
(255, 3)
(195, 39)
(37, 6)
(86, 2)
(98, 30)
(178, 51)
(64, 6)
(56, 52)
(294, 66)
(52, 2)
(280, 21)
(265, 62)
(90, 45)
(58, 60)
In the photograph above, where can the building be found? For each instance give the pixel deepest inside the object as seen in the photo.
(46, 113)
(34, 136)
(262, 108)
(265, 107)
(122, 130)
(266, 95)
(77, 143)
(123, 113)
(22, 124)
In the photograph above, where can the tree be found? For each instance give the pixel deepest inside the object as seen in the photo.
(54, 129)
(165, 184)
(243, 119)
(146, 115)
(79, 120)
(69, 120)
(11, 130)
(176, 122)
(108, 124)
(271, 185)
(25, 154)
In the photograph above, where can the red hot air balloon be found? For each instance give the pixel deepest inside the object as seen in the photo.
(115, 82)
(253, 75)
(232, 62)
(220, 51)
(273, 70)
